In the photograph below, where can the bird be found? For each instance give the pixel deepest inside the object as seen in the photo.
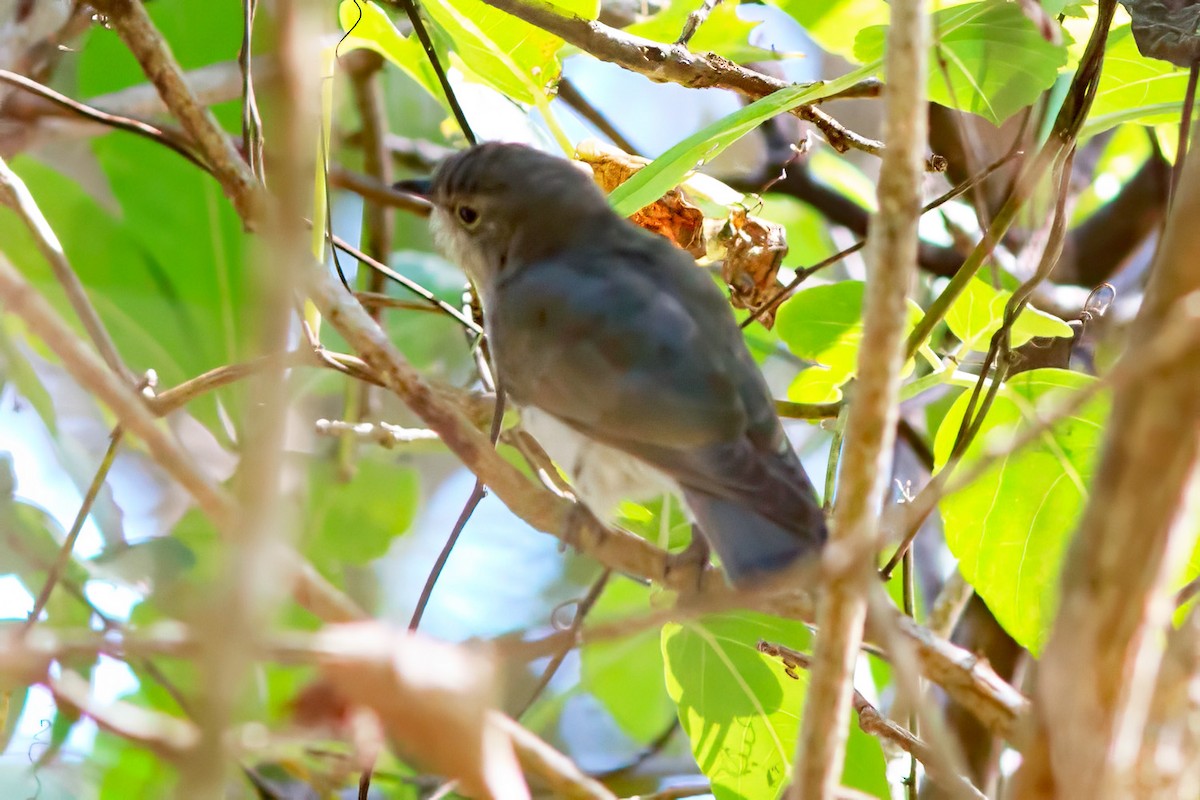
(623, 356)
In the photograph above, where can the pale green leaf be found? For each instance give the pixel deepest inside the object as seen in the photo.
(1009, 529)
(508, 54)
(1134, 88)
(824, 324)
(833, 24)
(979, 311)
(988, 58)
(740, 709)
(723, 33)
(369, 27)
(669, 169)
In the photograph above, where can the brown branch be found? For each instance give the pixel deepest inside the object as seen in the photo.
(310, 590)
(872, 722)
(1097, 671)
(16, 196)
(168, 737)
(674, 63)
(871, 423)
(133, 25)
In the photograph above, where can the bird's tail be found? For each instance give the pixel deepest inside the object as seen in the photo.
(748, 543)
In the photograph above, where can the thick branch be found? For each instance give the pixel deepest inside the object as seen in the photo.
(871, 423)
(674, 63)
(133, 25)
(1097, 673)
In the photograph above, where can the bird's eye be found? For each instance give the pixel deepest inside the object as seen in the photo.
(468, 215)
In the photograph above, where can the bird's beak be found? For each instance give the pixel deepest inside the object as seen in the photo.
(421, 187)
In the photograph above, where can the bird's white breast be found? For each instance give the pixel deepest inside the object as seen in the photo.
(602, 476)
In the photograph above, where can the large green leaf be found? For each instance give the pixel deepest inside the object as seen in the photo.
(368, 26)
(1009, 529)
(833, 24)
(979, 311)
(988, 58)
(668, 170)
(507, 53)
(724, 32)
(623, 674)
(354, 522)
(741, 711)
(165, 272)
(1134, 88)
(824, 324)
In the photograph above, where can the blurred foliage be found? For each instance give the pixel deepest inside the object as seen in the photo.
(174, 275)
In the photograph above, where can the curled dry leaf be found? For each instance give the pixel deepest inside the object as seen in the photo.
(753, 251)
(430, 698)
(749, 249)
(671, 216)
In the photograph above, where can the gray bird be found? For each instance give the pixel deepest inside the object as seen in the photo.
(623, 356)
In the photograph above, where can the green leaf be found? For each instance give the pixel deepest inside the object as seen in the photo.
(18, 370)
(623, 673)
(1134, 88)
(369, 27)
(167, 278)
(1009, 529)
(741, 711)
(979, 311)
(355, 521)
(668, 170)
(833, 24)
(646, 520)
(506, 53)
(989, 58)
(824, 324)
(723, 33)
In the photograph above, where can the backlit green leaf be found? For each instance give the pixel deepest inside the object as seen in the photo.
(1009, 529)
(1134, 88)
(669, 169)
(988, 58)
(824, 324)
(979, 311)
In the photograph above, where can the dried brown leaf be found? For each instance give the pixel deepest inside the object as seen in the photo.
(431, 699)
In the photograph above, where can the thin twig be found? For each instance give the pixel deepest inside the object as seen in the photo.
(582, 608)
(569, 94)
(409, 284)
(478, 492)
(16, 195)
(803, 274)
(871, 421)
(410, 10)
(163, 136)
(133, 24)
(694, 20)
(66, 551)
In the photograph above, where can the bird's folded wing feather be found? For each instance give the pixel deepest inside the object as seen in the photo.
(637, 348)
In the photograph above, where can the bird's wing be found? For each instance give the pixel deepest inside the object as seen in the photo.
(636, 347)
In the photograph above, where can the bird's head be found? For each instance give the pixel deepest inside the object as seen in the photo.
(497, 206)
